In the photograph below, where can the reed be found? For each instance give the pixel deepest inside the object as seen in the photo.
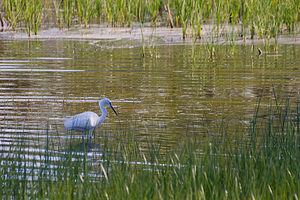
(58, 14)
(262, 167)
(264, 19)
(86, 10)
(13, 11)
(143, 43)
(32, 15)
(69, 10)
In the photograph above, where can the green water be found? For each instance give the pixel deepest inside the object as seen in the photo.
(179, 92)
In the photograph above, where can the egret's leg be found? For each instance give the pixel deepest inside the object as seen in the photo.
(82, 136)
(90, 133)
(90, 140)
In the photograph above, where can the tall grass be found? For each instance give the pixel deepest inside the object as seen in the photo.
(32, 15)
(264, 19)
(14, 11)
(85, 11)
(29, 12)
(264, 165)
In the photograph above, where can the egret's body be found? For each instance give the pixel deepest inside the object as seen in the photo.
(88, 121)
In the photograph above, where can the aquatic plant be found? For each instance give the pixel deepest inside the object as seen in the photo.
(266, 19)
(32, 15)
(58, 15)
(86, 10)
(261, 163)
(30, 12)
(143, 42)
(13, 11)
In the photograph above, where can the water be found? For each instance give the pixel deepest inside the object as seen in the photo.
(168, 97)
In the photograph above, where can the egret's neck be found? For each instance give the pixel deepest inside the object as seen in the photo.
(103, 115)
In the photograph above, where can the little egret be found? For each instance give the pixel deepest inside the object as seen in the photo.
(88, 121)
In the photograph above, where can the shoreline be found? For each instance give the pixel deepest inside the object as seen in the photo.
(154, 35)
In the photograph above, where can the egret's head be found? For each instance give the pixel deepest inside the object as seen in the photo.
(105, 101)
(108, 102)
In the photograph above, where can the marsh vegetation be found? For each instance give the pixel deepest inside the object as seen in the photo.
(255, 18)
(263, 165)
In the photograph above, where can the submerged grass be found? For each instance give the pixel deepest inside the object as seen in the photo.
(263, 165)
(264, 19)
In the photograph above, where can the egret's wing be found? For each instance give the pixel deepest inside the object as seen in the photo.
(81, 122)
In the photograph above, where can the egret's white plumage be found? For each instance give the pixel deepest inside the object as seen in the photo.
(88, 121)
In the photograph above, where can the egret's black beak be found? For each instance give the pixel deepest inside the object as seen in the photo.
(113, 109)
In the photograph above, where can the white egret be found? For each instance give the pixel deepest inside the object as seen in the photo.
(88, 121)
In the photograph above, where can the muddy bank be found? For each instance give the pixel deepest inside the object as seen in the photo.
(151, 36)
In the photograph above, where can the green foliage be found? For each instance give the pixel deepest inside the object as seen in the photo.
(13, 11)
(266, 19)
(32, 15)
(29, 12)
(264, 166)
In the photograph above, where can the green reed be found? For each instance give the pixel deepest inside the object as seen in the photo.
(262, 163)
(85, 10)
(143, 43)
(13, 11)
(58, 15)
(32, 15)
(29, 12)
(264, 19)
(69, 10)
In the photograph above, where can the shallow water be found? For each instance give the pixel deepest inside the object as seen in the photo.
(177, 92)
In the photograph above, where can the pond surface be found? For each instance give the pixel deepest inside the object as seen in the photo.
(178, 92)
